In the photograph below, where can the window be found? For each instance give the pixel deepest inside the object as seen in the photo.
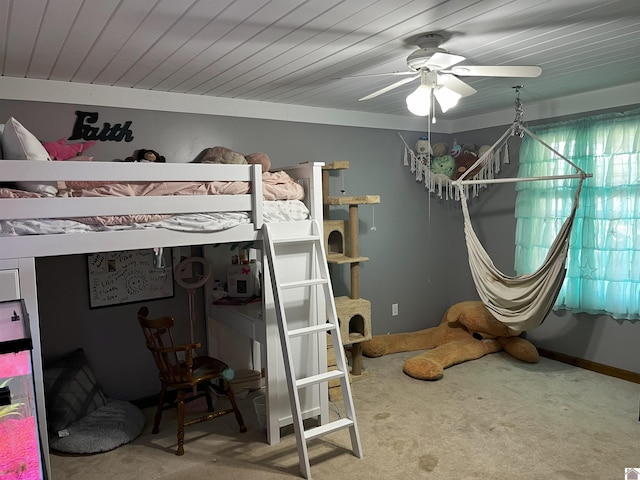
(603, 265)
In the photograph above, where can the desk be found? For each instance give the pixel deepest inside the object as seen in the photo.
(235, 333)
(233, 325)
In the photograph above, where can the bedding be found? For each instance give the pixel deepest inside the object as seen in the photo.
(277, 187)
(273, 211)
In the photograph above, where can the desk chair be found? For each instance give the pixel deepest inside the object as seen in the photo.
(192, 378)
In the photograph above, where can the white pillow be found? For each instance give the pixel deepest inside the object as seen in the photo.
(18, 143)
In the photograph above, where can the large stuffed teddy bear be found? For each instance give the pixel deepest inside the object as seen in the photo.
(225, 155)
(467, 331)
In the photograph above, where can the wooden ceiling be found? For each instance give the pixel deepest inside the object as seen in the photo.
(298, 52)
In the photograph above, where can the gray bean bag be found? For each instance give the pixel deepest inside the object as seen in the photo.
(80, 418)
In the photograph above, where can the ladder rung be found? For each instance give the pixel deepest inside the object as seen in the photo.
(305, 239)
(327, 428)
(319, 378)
(304, 283)
(322, 327)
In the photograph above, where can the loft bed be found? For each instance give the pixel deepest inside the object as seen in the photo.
(14, 243)
(19, 248)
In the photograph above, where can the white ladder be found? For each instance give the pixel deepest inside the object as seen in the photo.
(304, 240)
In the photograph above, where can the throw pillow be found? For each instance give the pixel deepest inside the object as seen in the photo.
(18, 143)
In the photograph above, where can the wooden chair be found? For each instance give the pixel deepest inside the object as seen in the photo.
(191, 378)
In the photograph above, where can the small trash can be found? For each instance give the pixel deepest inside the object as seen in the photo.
(260, 405)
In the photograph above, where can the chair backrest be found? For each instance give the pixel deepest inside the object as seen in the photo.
(157, 332)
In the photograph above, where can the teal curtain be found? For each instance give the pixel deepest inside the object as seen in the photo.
(603, 266)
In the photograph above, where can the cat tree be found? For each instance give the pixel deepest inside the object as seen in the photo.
(342, 245)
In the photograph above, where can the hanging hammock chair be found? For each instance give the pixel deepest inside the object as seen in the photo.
(519, 302)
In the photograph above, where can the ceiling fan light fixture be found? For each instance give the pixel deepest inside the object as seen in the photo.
(419, 102)
(446, 97)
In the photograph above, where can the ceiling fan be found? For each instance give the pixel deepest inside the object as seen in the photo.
(438, 71)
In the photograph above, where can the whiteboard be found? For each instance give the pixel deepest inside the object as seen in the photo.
(128, 276)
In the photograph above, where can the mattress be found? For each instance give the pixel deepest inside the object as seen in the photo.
(273, 211)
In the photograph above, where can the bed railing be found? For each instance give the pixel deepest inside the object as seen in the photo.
(54, 207)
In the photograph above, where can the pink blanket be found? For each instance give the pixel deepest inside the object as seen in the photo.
(275, 185)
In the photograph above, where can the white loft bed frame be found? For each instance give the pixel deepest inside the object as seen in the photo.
(19, 252)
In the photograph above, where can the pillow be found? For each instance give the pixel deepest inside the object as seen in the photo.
(20, 144)
(71, 391)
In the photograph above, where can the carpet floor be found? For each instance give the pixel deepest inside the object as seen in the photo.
(491, 418)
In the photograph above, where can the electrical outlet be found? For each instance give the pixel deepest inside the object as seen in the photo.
(394, 309)
(181, 356)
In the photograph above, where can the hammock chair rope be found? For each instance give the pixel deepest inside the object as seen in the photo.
(519, 302)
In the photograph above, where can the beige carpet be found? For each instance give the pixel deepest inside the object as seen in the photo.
(492, 418)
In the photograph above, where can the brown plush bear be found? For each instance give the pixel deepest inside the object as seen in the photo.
(465, 161)
(467, 331)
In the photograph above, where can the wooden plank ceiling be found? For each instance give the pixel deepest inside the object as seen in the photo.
(298, 52)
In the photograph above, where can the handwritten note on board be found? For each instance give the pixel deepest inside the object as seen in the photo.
(128, 276)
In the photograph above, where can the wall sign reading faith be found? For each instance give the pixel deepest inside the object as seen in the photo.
(83, 129)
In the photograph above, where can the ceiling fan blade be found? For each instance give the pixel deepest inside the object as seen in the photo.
(441, 60)
(455, 84)
(365, 75)
(389, 88)
(528, 71)
(434, 61)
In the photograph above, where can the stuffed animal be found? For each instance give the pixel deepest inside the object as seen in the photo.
(146, 155)
(423, 146)
(456, 150)
(61, 150)
(483, 149)
(443, 165)
(464, 162)
(440, 149)
(466, 332)
(259, 158)
(470, 147)
(225, 155)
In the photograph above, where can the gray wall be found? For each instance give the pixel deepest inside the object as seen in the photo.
(417, 253)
